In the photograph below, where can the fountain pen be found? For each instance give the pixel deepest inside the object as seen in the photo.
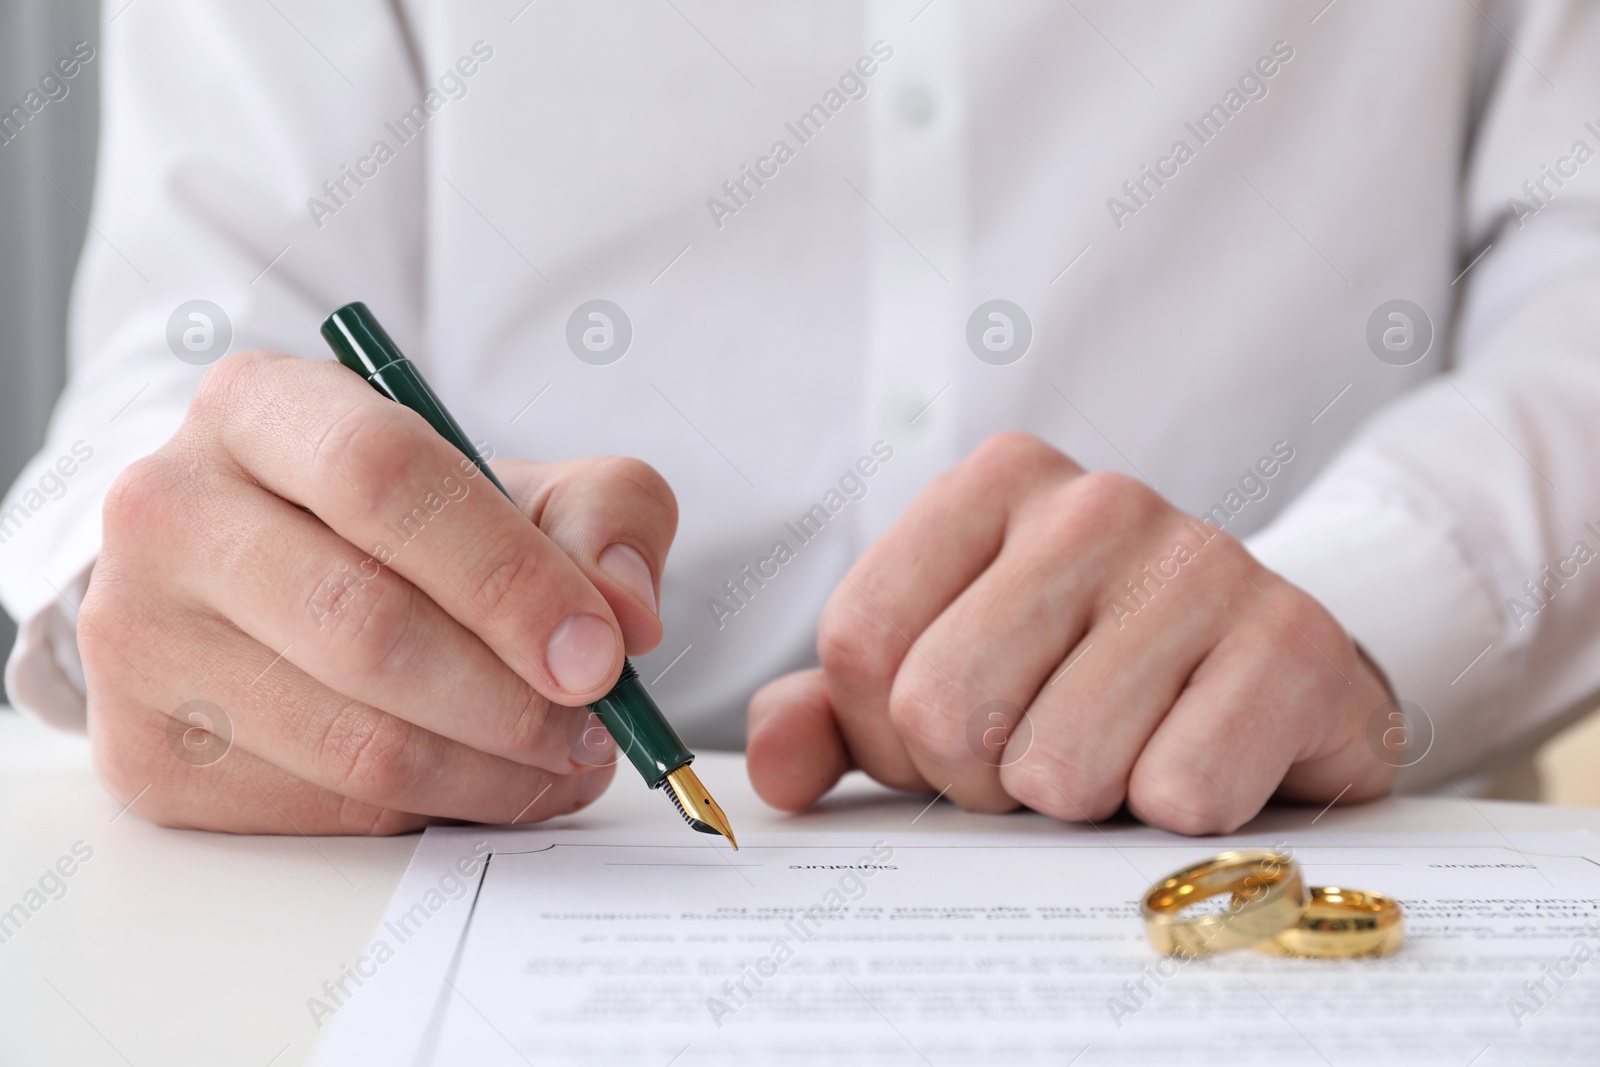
(627, 711)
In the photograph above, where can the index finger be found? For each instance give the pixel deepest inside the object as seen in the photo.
(377, 474)
(876, 621)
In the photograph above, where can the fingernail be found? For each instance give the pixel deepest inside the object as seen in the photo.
(581, 652)
(627, 566)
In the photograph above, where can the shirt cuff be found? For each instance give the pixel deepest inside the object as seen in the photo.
(1383, 554)
(44, 676)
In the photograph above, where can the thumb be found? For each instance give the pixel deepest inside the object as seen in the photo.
(794, 750)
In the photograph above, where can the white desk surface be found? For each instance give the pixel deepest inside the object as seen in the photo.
(176, 947)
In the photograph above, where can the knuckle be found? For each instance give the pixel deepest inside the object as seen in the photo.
(1316, 622)
(529, 728)
(1299, 626)
(1058, 518)
(1012, 450)
(372, 755)
(642, 478)
(512, 579)
(1277, 640)
(1226, 556)
(1186, 803)
(373, 450)
(140, 500)
(127, 748)
(220, 386)
(108, 628)
(1008, 461)
(370, 625)
(920, 712)
(855, 645)
(1112, 498)
(1229, 580)
(1048, 782)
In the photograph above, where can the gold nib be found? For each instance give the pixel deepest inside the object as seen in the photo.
(696, 805)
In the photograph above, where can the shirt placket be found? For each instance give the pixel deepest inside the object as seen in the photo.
(912, 189)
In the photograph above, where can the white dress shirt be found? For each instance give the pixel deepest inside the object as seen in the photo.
(1189, 311)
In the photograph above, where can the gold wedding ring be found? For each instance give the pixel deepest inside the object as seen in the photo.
(1342, 924)
(1266, 898)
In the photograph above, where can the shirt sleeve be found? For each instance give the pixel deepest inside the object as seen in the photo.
(234, 139)
(1455, 537)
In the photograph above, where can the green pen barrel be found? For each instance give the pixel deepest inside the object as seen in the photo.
(627, 711)
(363, 345)
(641, 731)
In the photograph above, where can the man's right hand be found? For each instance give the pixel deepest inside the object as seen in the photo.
(388, 637)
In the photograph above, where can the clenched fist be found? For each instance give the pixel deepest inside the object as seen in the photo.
(1031, 634)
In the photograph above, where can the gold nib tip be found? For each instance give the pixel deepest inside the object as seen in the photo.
(694, 803)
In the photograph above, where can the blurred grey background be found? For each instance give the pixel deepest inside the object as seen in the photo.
(46, 178)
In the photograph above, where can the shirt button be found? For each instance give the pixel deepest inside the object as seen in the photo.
(915, 104)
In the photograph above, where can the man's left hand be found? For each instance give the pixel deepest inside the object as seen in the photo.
(1029, 634)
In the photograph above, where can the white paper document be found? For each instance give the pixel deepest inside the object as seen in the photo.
(559, 947)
